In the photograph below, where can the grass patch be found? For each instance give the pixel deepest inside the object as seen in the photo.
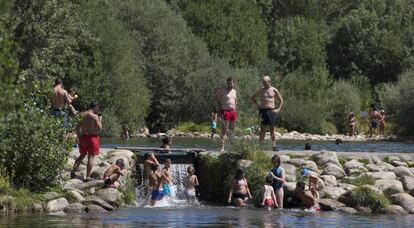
(193, 127)
(364, 161)
(361, 180)
(342, 160)
(364, 196)
(128, 192)
(387, 159)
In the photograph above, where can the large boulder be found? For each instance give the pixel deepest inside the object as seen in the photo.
(290, 178)
(289, 168)
(379, 167)
(122, 153)
(50, 196)
(408, 183)
(284, 158)
(329, 180)
(346, 186)
(93, 208)
(57, 205)
(91, 184)
(399, 163)
(333, 192)
(110, 195)
(393, 210)
(289, 188)
(326, 157)
(404, 200)
(348, 210)
(73, 184)
(98, 173)
(76, 195)
(402, 171)
(329, 204)
(75, 208)
(353, 164)
(382, 175)
(335, 170)
(296, 161)
(389, 187)
(98, 201)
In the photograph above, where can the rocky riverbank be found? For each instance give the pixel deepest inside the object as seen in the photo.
(351, 184)
(293, 135)
(76, 196)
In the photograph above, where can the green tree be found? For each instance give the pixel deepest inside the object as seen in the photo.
(232, 29)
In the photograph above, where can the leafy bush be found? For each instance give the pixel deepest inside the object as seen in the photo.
(396, 99)
(33, 150)
(366, 197)
(328, 128)
(111, 125)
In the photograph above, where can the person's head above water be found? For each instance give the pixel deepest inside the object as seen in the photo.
(166, 141)
(190, 170)
(154, 166)
(266, 81)
(308, 146)
(276, 160)
(120, 163)
(58, 81)
(338, 142)
(239, 174)
(230, 83)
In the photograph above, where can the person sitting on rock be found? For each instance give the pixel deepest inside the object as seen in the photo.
(313, 182)
(306, 197)
(240, 191)
(269, 197)
(155, 181)
(166, 144)
(113, 173)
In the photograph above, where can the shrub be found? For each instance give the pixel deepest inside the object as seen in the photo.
(361, 180)
(34, 150)
(193, 127)
(328, 128)
(366, 197)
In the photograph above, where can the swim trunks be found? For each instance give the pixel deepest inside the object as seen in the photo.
(269, 203)
(213, 125)
(229, 115)
(374, 124)
(189, 193)
(89, 144)
(108, 183)
(268, 117)
(166, 189)
(157, 195)
(239, 196)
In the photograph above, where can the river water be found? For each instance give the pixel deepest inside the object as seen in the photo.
(209, 144)
(207, 216)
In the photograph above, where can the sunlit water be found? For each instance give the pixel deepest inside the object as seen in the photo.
(207, 216)
(209, 144)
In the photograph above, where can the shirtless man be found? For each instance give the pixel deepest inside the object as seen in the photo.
(227, 98)
(268, 95)
(375, 118)
(149, 159)
(60, 98)
(155, 181)
(87, 131)
(306, 197)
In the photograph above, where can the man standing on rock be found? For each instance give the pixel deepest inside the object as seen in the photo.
(227, 98)
(60, 98)
(87, 131)
(267, 111)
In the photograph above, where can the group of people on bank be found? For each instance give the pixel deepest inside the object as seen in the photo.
(376, 120)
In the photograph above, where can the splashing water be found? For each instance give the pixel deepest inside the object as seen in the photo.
(177, 198)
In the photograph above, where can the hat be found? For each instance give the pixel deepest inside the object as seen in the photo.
(305, 172)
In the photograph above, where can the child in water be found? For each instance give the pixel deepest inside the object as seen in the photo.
(313, 182)
(306, 197)
(213, 125)
(112, 174)
(269, 198)
(277, 174)
(239, 192)
(166, 173)
(190, 182)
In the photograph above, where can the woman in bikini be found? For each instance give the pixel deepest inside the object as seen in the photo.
(239, 192)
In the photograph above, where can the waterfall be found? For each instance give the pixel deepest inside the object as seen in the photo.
(178, 171)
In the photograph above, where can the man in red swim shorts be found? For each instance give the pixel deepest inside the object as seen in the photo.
(227, 98)
(87, 131)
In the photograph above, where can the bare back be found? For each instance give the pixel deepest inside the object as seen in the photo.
(90, 124)
(60, 97)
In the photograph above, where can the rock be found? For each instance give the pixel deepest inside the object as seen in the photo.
(244, 164)
(92, 191)
(401, 171)
(348, 210)
(389, 187)
(379, 167)
(404, 200)
(289, 188)
(98, 201)
(311, 165)
(284, 158)
(335, 170)
(50, 196)
(110, 195)
(98, 173)
(76, 195)
(393, 158)
(375, 159)
(113, 159)
(329, 180)
(408, 183)
(382, 175)
(290, 178)
(75, 208)
(93, 208)
(365, 210)
(90, 184)
(37, 207)
(70, 162)
(57, 205)
(353, 164)
(329, 204)
(356, 171)
(399, 163)
(393, 210)
(74, 154)
(333, 192)
(122, 153)
(73, 184)
(289, 168)
(326, 157)
(346, 186)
